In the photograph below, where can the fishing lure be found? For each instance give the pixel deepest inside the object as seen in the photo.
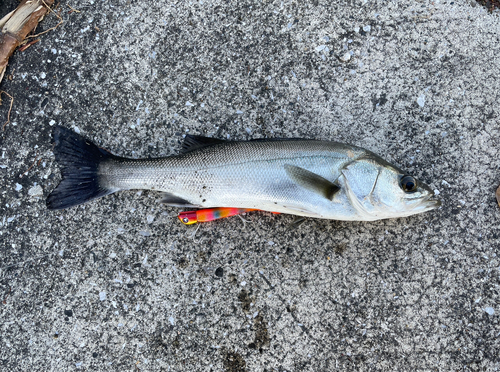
(210, 214)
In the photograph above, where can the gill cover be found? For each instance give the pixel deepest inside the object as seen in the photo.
(378, 190)
(361, 179)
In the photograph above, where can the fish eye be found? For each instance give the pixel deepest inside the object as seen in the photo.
(408, 184)
(185, 220)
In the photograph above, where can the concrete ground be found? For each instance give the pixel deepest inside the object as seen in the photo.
(120, 285)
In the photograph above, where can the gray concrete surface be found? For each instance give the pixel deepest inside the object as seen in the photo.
(121, 285)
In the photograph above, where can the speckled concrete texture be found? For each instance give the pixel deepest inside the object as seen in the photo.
(120, 285)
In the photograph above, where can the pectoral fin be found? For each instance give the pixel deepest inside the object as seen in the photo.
(311, 181)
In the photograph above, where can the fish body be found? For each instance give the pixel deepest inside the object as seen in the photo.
(302, 177)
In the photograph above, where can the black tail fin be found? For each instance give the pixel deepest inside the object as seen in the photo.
(79, 161)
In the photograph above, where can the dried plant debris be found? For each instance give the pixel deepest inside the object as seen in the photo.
(10, 107)
(17, 25)
(491, 5)
(497, 194)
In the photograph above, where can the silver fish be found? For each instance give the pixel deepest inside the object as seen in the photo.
(301, 177)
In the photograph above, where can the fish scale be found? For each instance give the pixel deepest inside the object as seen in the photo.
(217, 177)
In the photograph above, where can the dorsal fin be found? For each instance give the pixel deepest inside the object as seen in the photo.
(278, 139)
(311, 181)
(197, 142)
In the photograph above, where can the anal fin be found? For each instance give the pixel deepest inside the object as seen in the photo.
(176, 201)
(296, 223)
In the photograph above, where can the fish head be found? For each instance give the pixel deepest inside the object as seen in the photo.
(378, 190)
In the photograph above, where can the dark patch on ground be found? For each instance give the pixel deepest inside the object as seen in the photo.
(491, 5)
(183, 263)
(340, 249)
(234, 362)
(379, 101)
(261, 334)
(245, 299)
(219, 272)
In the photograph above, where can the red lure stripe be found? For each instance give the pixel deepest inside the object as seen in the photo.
(206, 215)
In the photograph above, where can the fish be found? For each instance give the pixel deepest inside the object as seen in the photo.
(302, 177)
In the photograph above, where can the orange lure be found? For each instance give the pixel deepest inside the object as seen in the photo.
(211, 214)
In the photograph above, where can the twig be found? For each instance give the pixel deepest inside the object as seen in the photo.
(73, 10)
(31, 166)
(27, 45)
(44, 32)
(7, 295)
(49, 8)
(10, 108)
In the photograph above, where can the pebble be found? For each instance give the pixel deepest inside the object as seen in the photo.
(35, 191)
(489, 310)
(421, 100)
(346, 57)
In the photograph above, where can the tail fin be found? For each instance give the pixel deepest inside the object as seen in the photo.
(79, 161)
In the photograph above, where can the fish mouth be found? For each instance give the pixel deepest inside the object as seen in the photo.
(428, 203)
